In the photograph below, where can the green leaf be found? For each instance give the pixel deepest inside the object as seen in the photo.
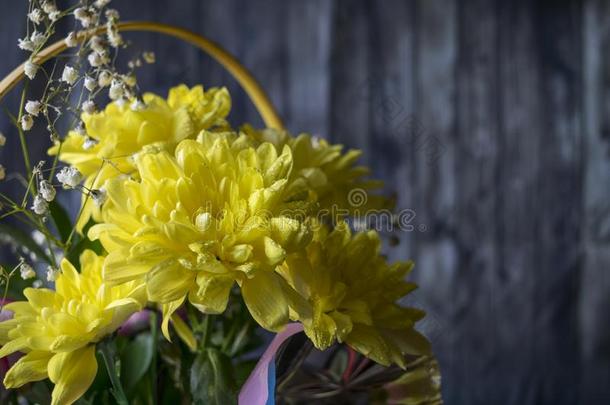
(212, 380)
(136, 359)
(61, 220)
(22, 240)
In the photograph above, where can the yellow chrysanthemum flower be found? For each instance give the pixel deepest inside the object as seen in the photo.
(341, 186)
(194, 223)
(117, 133)
(57, 330)
(347, 292)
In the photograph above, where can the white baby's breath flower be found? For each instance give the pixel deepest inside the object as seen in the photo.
(135, 63)
(54, 16)
(38, 39)
(69, 177)
(25, 44)
(2, 172)
(69, 75)
(36, 16)
(89, 107)
(37, 284)
(30, 69)
(40, 205)
(89, 143)
(81, 13)
(104, 79)
(37, 170)
(2, 139)
(26, 271)
(90, 83)
(98, 196)
(149, 57)
(27, 122)
(80, 128)
(71, 40)
(112, 15)
(98, 59)
(129, 80)
(101, 3)
(49, 6)
(52, 273)
(117, 90)
(33, 107)
(97, 44)
(84, 16)
(47, 191)
(114, 38)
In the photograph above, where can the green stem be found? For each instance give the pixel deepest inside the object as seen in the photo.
(108, 358)
(24, 146)
(230, 336)
(206, 331)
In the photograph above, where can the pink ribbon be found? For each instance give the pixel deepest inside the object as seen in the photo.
(259, 388)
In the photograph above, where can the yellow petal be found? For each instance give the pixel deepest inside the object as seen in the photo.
(184, 332)
(168, 281)
(322, 331)
(119, 269)
(121, 309)
(168, 310)
(273, 251)
(31, 367)
(65, 343)
(40, 297)
(344, 324)
(72, 373)
(13, 346)
(366, 340)
(265, 300)
(5, 328)
(290, 233)
(212, 295)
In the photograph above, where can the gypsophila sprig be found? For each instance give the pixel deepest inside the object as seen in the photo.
(40, 205)
(27, 122)
(69, 75)
(25, 270)
(69, 177)
(33, 107)
(47, 191)
(30, 69)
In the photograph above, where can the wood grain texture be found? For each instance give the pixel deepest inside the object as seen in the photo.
(490, 120)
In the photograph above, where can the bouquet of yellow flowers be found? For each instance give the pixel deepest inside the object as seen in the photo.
(192, 238)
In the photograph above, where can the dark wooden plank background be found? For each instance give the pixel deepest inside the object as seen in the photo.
(489, 119)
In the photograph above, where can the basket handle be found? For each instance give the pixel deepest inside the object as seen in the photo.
(257, 95)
